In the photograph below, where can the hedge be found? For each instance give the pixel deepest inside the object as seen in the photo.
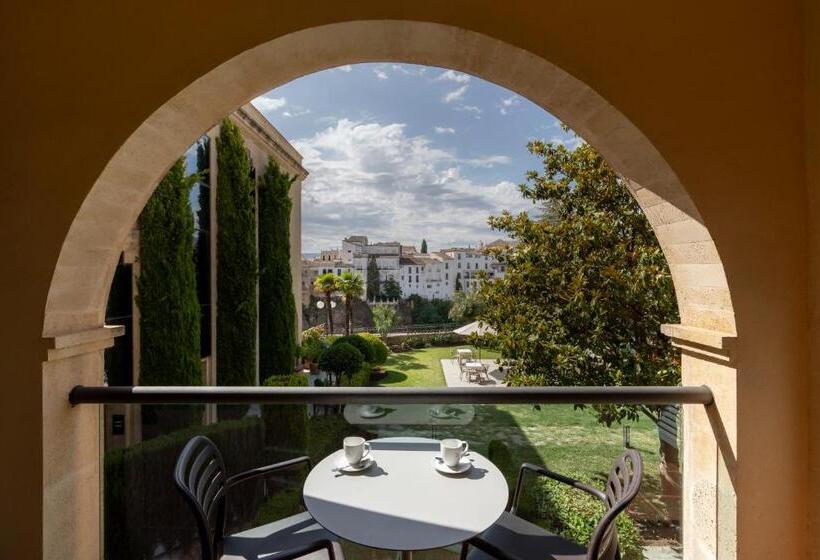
(286, 425)
(341, 359)
(236, 261)
(277, 308)
(143, 508)
(378, 348)
(360, 344)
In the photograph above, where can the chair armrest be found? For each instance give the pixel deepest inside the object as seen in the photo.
(487, 548)
(542, 471)
(298, 552)
(266, 470)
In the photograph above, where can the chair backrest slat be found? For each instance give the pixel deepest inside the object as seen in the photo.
(200, 477)
(622, 486)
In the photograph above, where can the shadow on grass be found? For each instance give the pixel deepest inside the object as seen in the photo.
(405, 361)
(393, 376)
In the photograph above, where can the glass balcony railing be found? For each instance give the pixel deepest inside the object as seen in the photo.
(146, 517)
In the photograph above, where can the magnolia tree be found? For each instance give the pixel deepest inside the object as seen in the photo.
(384, 317)
(586, 287)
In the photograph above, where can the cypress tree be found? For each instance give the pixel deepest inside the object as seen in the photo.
(167, 299)
(277, 308)
(236, 261)
(423, 246)
(374, 289)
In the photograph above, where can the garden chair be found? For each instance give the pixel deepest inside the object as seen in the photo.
(513, 538)
(200, 477)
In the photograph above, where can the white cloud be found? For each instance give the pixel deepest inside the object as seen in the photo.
(269, 104)
(411, 71)
(296, 113)
(445, 130)
(571, 143)
(508, 102)
(380, 74)
(488, 161)
(375, 178)
(476, 111)
(455, 95)
(345, 68)
(453, 76)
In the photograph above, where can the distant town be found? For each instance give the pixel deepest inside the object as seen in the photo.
(405, 270)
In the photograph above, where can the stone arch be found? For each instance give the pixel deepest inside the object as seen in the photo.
(75, 307)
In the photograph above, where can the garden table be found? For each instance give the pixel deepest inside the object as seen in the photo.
(402, 503)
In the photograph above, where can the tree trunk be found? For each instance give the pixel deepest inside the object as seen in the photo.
(329, 314)
(670, 480)
(348, 317)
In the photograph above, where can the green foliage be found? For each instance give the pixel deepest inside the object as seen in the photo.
(373, 282)
(286, 425)
(587, 286)
(236, 262)
(341, 359)
(391, 289)
(351, 286)
(313, 348)
(429, 311)
(327, 284)
(378, 349)
(423, 246)
(277, 308)
(167, 298)
(360, 378)
(574, 514)
(384, 317)
(359, 343)
(466, 306)
(458, 286)
(326, 432)
(142, 507)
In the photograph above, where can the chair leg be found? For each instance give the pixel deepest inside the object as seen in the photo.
(463, 555)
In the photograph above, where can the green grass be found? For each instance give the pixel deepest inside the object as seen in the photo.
(422, 367)
(560, 437)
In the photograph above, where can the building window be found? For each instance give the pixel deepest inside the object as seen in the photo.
(417, 278)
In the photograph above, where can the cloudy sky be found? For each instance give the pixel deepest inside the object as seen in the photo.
(403, 152)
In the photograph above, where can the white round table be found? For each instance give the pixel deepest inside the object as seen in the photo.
(402, 503)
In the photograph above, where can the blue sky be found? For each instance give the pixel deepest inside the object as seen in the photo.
(404, 152)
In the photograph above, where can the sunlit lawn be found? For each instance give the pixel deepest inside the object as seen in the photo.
(558, 436)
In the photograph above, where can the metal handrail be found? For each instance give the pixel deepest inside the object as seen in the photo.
(81, 394)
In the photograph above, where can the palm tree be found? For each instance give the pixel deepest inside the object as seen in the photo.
(326, 284)
(352, 287)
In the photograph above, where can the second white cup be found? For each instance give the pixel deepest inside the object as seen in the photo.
(452, 450)
(356, 450)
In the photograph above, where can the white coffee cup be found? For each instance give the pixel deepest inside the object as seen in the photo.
(356, 450)
(452, 450)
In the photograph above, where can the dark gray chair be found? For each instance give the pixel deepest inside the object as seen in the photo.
(200, 477)
(513, 538)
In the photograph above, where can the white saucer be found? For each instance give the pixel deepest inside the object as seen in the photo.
(343, 466)
(372, 413)
(463, 466)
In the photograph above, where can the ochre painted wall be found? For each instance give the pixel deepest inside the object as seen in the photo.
(716, 86)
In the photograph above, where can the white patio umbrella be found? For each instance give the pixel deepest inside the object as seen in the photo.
(478, 328)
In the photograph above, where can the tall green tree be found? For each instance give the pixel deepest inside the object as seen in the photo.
(351, 287)
(277, 307)
(236, 261)
(391, 289)
(466, 306)
(327, 284)
(457, 287)
(167, 298)
(374, 290)
(586, 288)
(423, 246)
(384, 317)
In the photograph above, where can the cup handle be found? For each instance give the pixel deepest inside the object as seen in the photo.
(366, 453)
(466, 447)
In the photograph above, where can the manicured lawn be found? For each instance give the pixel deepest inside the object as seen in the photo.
(559, 436)
(422, 367)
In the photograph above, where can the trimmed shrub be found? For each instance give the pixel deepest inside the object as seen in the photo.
(236, 261)
(378, 348)
(277, 308)
(286, 425)
(144, 510)
(358, 342)
(573, 514)
(341, 359)
(359, 379)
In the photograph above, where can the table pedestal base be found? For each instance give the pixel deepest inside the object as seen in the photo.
(406, 555)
